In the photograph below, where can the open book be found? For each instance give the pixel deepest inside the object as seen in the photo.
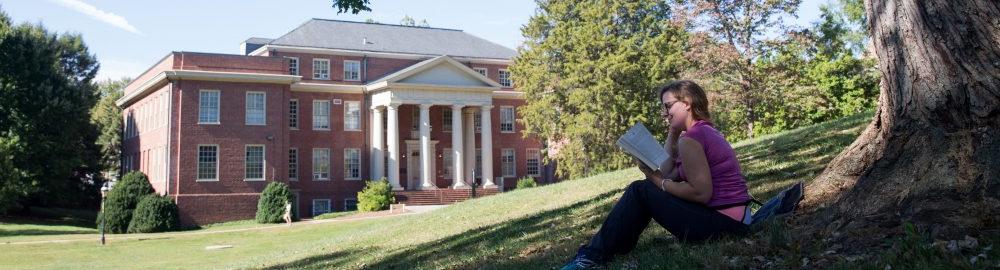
(641, 144)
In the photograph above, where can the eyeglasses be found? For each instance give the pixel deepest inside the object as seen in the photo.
(668, 105)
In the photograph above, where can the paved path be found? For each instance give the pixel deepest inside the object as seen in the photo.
(410, 210)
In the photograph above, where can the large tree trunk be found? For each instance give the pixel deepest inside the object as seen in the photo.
(931, 155)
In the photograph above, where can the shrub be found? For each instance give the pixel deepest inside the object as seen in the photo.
(377, 195)
(271, 205)
(526, 182)
(154, 213)
(122, 200)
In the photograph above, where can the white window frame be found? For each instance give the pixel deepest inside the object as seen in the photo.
(197, 173)
(263, 109)
(314, 168)
(316, 71)
(329, 206)
(504, 81)
(348, 200)
(293, 66)
(293, 114)
(201, 107)
(512, 163)
(482, 71)
(479, 164)
(263, 162)
(507, 119)
(449, 164)
(314, 115)
(347, 115)
(477, 121)
(347, 168)
(293, 164)
(357, 75)
(530, 154)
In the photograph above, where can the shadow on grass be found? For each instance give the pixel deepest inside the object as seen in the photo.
(542, 240)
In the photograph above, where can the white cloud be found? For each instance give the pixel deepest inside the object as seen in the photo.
(100, 15)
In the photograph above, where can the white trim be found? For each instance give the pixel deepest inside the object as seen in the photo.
(263, 163)
(164, 77)
(510, 83)
(314, 60)
(246, 108)
(527, 156)
(346, 107)
(508, 94)
(409, 56)
(329, 110)
(298, 65)
(485, 71)
(218, 109)
(513, 162)
(329, 206)
(197, 167)
(513, 120)
(329, 161)
(358, 79)
(395, 77)
(328, 88)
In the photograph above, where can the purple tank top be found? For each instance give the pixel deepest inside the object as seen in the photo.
(728, 185)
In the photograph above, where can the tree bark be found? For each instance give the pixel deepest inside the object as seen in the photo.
(931, 155)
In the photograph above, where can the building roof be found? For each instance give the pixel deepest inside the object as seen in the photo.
(376, 37)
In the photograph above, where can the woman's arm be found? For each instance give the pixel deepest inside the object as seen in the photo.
(698, 187)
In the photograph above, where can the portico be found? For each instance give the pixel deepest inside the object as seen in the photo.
(439, 81)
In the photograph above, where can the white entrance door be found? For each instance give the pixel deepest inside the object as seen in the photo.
(413, 168)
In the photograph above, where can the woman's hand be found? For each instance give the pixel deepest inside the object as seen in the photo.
(649, 172)
(673, 135)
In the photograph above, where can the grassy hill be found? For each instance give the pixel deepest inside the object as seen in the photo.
(537, 228)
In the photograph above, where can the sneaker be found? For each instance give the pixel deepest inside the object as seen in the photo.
(581, 261)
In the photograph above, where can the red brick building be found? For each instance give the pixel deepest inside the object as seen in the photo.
(322, 108)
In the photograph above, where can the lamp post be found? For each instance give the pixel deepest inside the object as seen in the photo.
(104, 194)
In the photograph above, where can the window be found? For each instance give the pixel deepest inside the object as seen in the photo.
(321, 206)
(293, 164)
(351, 204)
(321, 115)
(208, 107)
(479, 163)
(352, 115)
(504, 76)
(477, 121)
(482, 71)
(255, 108)
(293, 114)
(208, 163)
(321, 164)
(254, 163)
(446, 119)
(507, 119)
(352, 164)
(293, 65)
(449, 165)
(507, 162)
(352, 70)
(321, 69)
(534, 162)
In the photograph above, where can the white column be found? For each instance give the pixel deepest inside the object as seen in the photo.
(426, 153)
(457, 151)
(378, 144)
(487, 145)
(468, 115)
(393, 142)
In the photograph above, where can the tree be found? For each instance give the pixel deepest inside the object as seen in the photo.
(122, 200)
(353, 6)
(272, 201)
(107, 117)
(931, 154)
(589, 69)
(735, 38)
(407, 21)
(48, 153)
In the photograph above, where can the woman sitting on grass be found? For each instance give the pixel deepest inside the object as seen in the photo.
(700, 194)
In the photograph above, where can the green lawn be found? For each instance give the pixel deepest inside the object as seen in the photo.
(535, 228)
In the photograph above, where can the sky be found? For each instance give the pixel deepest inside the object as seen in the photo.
(130, 36)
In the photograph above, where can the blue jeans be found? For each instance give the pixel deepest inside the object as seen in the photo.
(642, 201)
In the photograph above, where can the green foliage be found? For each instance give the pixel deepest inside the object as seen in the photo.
(122, 200)
(271, 205)
(526, 182)
(589, 70)
(353, 6)
(154, 213)
(107, 117)
(48, 153)
(377, 195)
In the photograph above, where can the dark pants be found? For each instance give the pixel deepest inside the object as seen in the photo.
(688, 221)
